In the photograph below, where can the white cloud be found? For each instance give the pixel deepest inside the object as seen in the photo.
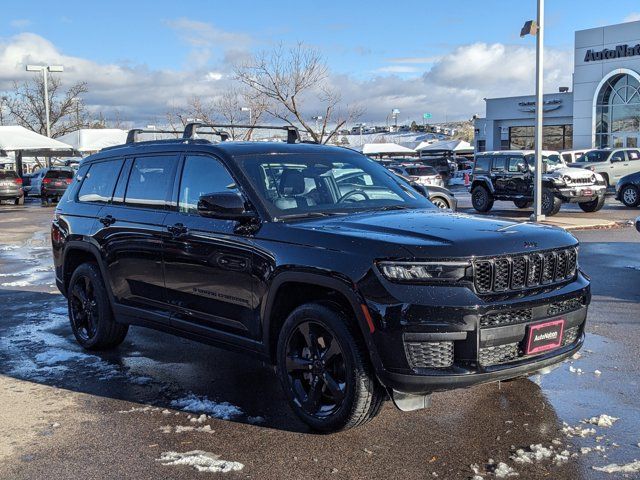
(419, 60)
(20, 23)
(632, 17)
(398, 69)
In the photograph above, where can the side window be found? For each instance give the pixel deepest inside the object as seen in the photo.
(633, 154)
(514, 162)
(150, 181)
(499, 164)
(121, 186)
(201, 175)
(566, 157)
(482, 164)
(99, 181)
(618, 156)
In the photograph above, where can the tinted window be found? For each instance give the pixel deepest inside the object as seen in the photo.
(7, 174)
(150, 181)
(482, 164)
(567, 157)
(202, 175)
(514, 162)
(59, 174)
(99, 181)
(618, 156)
(595, 156)
(499, 164)
(421, 171)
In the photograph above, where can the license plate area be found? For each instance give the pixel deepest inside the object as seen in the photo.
(587, 192)
(544, 336)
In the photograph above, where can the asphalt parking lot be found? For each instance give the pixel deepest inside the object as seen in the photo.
(163, 407)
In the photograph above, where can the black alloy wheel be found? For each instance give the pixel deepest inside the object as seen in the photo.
(481, 199)
(83, 309)
(317, 369)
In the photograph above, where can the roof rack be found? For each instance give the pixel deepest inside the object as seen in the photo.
(132, 136)
(293, 135)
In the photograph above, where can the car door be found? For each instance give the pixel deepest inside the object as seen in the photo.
(131, 230)
(499, 175)
(633, 162)
(519, 178)
(617, 165)
(208, 265)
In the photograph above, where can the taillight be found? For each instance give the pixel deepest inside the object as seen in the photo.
(69, 180)
(46, 180)
(18, 181)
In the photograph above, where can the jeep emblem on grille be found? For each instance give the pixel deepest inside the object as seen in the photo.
(530, 244)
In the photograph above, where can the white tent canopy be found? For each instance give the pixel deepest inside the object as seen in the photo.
(384, 149)
(16, 138)
(447, 145)
(89, 140)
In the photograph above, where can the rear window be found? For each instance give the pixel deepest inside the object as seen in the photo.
(99, 181)
(59, 174)
(7, 174)
(421, 171)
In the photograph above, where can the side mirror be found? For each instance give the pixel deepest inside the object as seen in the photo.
(224, 205)
(522, 167)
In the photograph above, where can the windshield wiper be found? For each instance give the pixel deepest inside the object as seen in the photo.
(391, 207)
(296, 216)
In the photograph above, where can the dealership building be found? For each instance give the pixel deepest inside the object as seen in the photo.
(602, 110)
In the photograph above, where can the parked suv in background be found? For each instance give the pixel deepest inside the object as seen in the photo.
(612, 164)
(11, 187)
(421, 174)
(51, 183)
(318, 260)
(508, 175)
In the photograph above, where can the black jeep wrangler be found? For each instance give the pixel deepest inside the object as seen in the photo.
(317, 260)
(508, 175)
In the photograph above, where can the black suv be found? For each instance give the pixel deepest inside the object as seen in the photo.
(508, 175)
(317, 260)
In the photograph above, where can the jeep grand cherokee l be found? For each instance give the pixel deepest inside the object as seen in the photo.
(354, 290)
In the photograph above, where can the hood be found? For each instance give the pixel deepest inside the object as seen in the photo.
(574, 173)
(431, 233)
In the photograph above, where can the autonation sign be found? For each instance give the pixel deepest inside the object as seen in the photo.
(619, 52)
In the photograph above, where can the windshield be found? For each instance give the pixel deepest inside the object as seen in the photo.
(4, 174)
(292, 185)
(595, 156)
(552, 159)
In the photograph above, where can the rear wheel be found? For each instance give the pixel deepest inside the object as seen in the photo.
(593, 205)
(522, 203)
(324, 369)
(481, 198)
(630, 196)
(550, 203)
(440, 202)
(19, 201)
(90, 313)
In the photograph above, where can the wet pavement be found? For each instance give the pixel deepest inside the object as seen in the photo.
(165, 407)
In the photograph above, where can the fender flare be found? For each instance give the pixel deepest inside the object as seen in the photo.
(91, 248)
(341, 286)
(482, 181)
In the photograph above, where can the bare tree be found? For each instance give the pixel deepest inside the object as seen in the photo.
(66, 109)
(287, 78)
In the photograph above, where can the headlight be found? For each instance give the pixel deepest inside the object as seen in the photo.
(593, 179)
(424, 271)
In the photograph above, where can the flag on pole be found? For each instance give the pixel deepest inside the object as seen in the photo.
(530, 28)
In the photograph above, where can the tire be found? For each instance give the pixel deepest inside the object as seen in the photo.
(630, 196)
(90, 313)
(19, 201)
(593, 205)
(481, 199)
(325, 333)
(550, 203)
(606, 179)
(440, 202)
(522, 203)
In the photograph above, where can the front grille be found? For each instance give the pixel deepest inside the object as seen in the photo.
(499, 354)
(510, 317)
(429, 354)
(581, 181)
(513, 273)
(565, 306)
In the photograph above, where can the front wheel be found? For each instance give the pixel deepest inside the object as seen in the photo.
(550, 203)
(90, 313)
(630, 196)
(324, 369)
(481, 199)
(593, 205)
(440, 202)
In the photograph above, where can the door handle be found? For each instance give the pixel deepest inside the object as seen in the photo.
(107, 221)
(233, 262)
(177, 229)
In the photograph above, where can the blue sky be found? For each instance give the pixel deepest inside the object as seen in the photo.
(365, 43)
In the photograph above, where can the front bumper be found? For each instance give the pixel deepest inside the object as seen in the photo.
(581, 193)
(467, 340)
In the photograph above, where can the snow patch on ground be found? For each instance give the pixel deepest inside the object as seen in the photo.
(603, 420)
(633, 467)
(200, 460)
(577, 431)
(538, 453)
(201, 404)
(185, 428)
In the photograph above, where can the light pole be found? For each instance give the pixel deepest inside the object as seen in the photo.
(317, 118)
(394, 114)
(362, 125)
(537, 29)
(46, 69)
(247, 109)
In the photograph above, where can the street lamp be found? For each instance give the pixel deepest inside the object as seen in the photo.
(317, 118)
(247, 109)
(45, 69)
(537, 29)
